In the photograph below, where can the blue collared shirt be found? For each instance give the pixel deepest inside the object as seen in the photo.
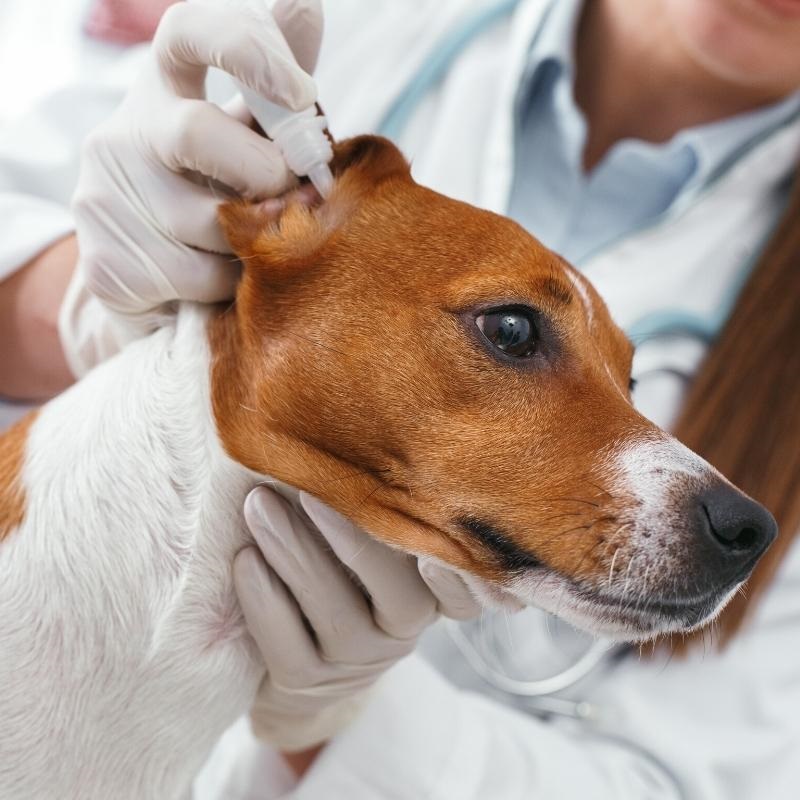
(636, 182)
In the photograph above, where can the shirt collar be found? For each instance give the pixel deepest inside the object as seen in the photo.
(716, 145)
(554, 40)
(712, 146)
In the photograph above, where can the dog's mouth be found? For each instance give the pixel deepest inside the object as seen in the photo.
(630, 612)
(632, 615)
(653, 616)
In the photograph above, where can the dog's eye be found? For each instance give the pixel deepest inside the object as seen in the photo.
(511, 330)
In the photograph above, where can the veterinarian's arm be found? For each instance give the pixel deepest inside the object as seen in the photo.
(33, 366)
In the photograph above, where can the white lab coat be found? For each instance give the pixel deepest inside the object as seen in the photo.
(716, 726)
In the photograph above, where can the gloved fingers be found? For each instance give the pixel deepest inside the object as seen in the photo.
(335, 607)
(202, 138)
(240, 38)
(150, 205)
(194, 220)
(204, 278)
(454, 598)
(237, 108)
(210, 278)
(275, 621)
(402, 605)
(301, 23)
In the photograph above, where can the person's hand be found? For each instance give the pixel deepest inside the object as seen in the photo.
(324, 640)
(153, 175)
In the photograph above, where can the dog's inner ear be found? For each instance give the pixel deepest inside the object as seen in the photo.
(284, 233)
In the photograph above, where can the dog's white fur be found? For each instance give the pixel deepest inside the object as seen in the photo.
(124, 653)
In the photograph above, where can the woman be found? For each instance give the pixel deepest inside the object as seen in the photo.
(653, 144)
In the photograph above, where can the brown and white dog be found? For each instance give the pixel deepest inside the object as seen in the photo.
(428, 369)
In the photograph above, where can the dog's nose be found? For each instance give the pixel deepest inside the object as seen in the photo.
(740, 528)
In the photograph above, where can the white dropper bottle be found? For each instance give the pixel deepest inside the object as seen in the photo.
(300, 135)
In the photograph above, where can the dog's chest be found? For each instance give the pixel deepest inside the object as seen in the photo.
(116, 594)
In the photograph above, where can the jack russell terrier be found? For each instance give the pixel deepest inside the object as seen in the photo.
(426, 368)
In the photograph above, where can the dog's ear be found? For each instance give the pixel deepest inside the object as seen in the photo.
(282, 234)
(369, 158)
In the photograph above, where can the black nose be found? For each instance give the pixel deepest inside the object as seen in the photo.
(741, 528)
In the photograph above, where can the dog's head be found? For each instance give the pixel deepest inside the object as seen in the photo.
(439, 376)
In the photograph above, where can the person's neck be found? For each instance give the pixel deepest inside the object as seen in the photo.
(634, 79)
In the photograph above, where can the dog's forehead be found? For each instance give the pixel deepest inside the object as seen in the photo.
(453, 253)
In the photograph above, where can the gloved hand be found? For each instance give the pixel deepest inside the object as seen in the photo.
(317, 679)
(153, 175)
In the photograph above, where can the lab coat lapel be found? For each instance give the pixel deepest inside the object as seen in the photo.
(407, 32)
(461, 138)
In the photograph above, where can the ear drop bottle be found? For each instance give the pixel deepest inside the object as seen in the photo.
(300, 136)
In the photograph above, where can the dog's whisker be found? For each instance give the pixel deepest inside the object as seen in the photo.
(559, 534)
(587, 527)
(627, 578)
(600, 488)
(214, 191)
(341, 478)
(566, 514)
(377, 488)
(611, 568)
(244, 258)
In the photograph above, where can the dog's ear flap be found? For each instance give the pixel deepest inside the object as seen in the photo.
(283, 234)
(372, 158)
(275, 231)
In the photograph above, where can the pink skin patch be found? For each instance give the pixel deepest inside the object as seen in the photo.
(305, 195)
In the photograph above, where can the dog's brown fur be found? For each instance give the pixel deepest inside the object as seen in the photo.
(322, 379)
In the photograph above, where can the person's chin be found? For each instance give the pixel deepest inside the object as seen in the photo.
(783, 8)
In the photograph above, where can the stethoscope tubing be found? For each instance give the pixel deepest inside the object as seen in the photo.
(537, 689)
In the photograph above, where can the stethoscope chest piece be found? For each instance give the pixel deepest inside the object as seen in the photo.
(532, 655)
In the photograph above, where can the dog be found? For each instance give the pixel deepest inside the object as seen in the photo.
(428, 369)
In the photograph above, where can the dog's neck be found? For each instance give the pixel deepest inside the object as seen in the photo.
(152, 646)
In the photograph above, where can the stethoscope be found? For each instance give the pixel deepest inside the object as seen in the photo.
(538, 695)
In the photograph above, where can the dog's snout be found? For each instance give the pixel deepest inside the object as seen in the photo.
(739, 528)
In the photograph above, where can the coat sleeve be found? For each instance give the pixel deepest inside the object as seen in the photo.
(713, 726)
(422, 737)
(62, 85)
(38, 162)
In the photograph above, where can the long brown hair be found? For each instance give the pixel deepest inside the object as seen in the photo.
(743, 410)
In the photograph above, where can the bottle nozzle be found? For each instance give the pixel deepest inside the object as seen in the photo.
(321, 177)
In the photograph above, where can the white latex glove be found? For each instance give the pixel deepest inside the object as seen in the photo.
(324, 642)
(150, 179)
